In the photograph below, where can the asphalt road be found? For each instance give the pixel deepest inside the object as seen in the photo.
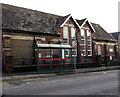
(97, 83)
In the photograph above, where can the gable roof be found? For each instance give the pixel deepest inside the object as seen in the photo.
(115, 35)
(67, 18)
(80, 22)
(83, 21)
(61, 20)
(17, 18)
(101, 34)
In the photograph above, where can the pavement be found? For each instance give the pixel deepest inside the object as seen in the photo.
(33, 76)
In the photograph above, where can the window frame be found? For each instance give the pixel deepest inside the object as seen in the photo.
(66, 36)
(84, 39)
(89, 40)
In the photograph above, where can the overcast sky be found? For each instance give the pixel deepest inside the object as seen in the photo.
(103, 12)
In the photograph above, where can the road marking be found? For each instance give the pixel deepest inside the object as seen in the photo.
(3, 83)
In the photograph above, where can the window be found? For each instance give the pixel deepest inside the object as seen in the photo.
(66, 52)
(73, 32)
(89, 43)
(88, 35)
(83, 41)
(74, 52)
(73, 36)
(48, 53)
(111, 58)
(82, 34)
(65, 35)
(99, 50)
(86, 39)
(111, 50)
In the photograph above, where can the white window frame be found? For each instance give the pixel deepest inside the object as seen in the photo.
(90, 42)
(66, 55)
(84, 54)
(75, 53)
(64, 35)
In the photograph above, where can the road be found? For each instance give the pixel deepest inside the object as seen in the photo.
(95, 83)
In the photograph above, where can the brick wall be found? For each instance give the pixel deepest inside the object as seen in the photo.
(21, 47)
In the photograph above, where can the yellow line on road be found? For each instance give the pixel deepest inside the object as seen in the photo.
(3, 83)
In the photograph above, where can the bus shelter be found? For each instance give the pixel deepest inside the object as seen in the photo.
(54, 58)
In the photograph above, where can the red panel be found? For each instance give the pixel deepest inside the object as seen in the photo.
(57, 59)
(54, 64)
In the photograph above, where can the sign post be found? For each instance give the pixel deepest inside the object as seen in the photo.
(75, 47)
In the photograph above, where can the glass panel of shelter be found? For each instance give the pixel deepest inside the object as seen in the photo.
(54, 60)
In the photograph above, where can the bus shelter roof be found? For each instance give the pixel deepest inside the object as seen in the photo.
(53, 46)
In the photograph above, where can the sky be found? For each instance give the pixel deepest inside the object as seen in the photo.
(102, 12)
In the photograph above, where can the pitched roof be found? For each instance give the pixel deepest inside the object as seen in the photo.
(17, 18)
(67, 18)
(61, 20)
(80, 22)
(101, 34)
(115, 35)
(22, 19)
(83, 21)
